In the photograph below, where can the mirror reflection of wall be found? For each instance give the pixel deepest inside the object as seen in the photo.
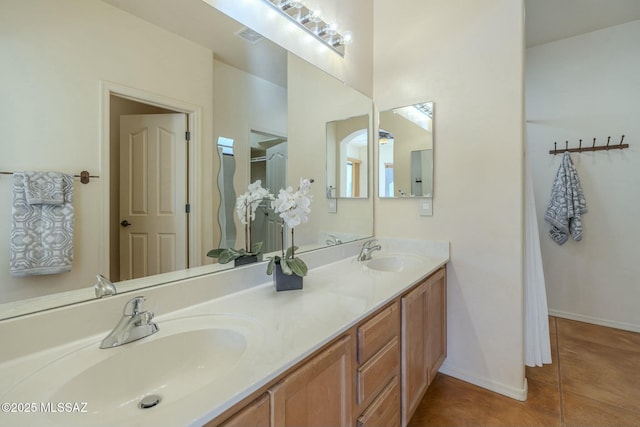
(315, 99)
(347, 157)
(235, 86)
(421, 172)
(405, 151)
(252, 111)
(226, 211)
(269, 165)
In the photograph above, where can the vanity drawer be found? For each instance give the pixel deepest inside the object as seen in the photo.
(373, 375)
(385, 410)
(377, 332)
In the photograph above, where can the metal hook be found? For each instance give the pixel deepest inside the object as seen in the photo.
(580, 146)
(621, 139)
(608, 139)
(566, 146)
(555, 148)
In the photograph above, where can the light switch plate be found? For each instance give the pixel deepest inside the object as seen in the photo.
(333, 206)
(425, 207)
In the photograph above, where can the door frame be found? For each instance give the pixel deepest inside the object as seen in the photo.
(194, 114)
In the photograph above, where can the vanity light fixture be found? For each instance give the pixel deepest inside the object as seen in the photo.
(311, 21)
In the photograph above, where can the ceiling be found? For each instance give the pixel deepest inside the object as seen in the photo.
(546, 21)
(551, 20)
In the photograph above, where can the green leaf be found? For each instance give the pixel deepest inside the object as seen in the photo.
(290, 250)
(298, 266)
(256, 248)
(286, 268)
(271, 265)
(215, 253)
(227, 256)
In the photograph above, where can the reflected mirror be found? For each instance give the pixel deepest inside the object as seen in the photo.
(347, 158)
(269, 165)
(144, 48)
(227, 208)
(405, 151)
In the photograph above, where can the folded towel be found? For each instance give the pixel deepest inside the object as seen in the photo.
(43, 188)
(41, 240)
(567, 203)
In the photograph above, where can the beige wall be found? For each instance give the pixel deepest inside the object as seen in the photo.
(467, 57)
(587, 87)
(55, 55)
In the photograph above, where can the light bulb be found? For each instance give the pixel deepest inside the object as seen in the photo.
(347, 37)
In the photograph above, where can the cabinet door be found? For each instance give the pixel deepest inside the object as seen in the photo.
(320, 393)
(415, 378)
(255, 414)
(436, 322)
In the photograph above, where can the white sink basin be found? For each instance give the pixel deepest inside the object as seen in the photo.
(394, 263)
(185, 355)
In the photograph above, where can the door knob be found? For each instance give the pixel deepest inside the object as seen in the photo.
(125, 223)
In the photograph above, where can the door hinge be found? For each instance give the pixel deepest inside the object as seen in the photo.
(187, 135)
(187, 208)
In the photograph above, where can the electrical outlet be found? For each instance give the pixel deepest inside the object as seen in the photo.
(425, 207)
(333, 206)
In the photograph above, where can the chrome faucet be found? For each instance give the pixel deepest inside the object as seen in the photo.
(134, 325)
(367, 248)
(104, 287)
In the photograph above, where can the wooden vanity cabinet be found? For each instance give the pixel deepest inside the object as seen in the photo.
(374, 375)
(378, 370)
(319, 393)
(255, 414)
(423, 339)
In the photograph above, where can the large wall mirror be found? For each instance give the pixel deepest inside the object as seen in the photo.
(405, 151)
(248, 99)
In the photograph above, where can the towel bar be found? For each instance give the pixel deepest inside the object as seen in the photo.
(84, 176)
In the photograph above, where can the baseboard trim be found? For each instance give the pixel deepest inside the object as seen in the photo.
(505, 390)
(595, 320)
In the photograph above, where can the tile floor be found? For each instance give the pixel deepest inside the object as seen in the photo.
(593, 381)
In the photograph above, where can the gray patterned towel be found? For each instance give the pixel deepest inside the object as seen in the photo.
(567, 203)
(43, 188)
(41, 233)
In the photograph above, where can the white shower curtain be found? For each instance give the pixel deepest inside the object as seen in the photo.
(537, 346)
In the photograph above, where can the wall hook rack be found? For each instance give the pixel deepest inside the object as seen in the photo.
(593, 147)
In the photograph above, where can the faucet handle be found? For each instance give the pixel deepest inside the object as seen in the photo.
(133, 306)
(370, 243)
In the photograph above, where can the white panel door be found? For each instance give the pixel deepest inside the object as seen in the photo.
(276, 179)
(153, 194)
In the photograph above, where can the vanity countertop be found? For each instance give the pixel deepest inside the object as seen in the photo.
(286, 328)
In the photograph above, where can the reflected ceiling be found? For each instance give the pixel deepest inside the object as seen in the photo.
(201, 23)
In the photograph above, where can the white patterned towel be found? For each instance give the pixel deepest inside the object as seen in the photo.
(567, 203)
(41, 233)
(43, 188)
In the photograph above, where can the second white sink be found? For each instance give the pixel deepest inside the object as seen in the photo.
(394, 263)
